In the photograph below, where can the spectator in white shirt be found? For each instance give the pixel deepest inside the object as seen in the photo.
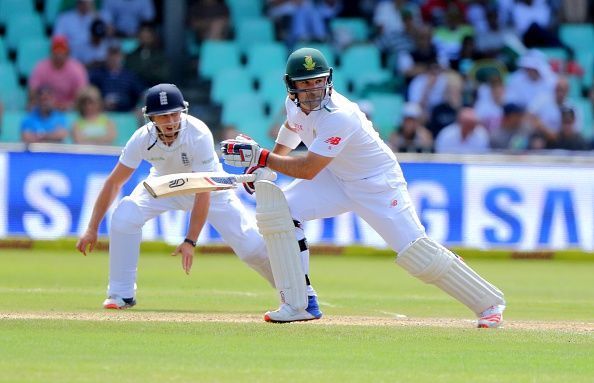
(533, 77)
(465, 136)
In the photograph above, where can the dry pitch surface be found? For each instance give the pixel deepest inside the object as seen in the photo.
(139, 316)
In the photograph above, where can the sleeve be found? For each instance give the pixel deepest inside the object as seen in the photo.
(287, 137)
(131, 154)
(337, 131)
(205, 157)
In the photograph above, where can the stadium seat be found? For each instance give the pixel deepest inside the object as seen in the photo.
(229, 82)
(357, 57)
(216, 56)
(10, 130)
(272, 88)
(12, 8)
(14, 99)
(23, 27)
(578, 36)
(386, 113)
(254, 31)
(587, 118)
(258, 130)
(3, 55)
(586, 60)
(349, 30)
(265, 58)
(29, 53)
(51, 9)
(244, 9)
(126, 124)
(341, 82)
(129, 44)
(242, 107)
(8, 76)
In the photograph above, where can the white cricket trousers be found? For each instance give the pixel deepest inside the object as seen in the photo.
(226, 214)
(382, 201)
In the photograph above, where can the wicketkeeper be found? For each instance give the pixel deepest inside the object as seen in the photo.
(348, 167)
(172, 142)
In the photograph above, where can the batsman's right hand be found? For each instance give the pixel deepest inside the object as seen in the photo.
(89, 238)
(243, 152)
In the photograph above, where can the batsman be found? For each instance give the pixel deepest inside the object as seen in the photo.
(347, 167)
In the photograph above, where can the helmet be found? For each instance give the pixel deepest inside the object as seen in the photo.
(306, 64)
(163, 99)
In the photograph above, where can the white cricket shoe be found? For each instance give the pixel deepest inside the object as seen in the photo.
(286, 313)
(117, 303)
(491, 317)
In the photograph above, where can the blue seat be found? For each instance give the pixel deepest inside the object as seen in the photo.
(387, 112)
(350, 29)
(125, 124)
(216, 56)
(23, 27)
(229, 82)
(14, 99)
(273, 90)
(3, 55)
(578, 36)
(253, 31)
(8, 76)
(30, 52)
(51, 9)
(244, 9)
(258, 130)
(266, 57)
(12, 8)
(242, 107)
(11, 126)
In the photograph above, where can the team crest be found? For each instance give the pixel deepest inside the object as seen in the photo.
(309, 63)
(163, 98)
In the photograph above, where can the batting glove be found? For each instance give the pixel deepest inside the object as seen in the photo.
(261, 174)
(243, 152)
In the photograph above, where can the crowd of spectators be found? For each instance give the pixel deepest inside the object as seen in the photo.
(472, 73)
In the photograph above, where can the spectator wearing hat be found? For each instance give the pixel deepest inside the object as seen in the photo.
(65, 75)
(533, 77)
(120, 88)
(513, 134)
(75, 25)
(465, 136)
(412, 136)
(44, 123)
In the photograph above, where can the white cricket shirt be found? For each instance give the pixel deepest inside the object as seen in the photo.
(340, 130)
(192, 151)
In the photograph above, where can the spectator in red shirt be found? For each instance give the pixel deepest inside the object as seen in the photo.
(65, 75)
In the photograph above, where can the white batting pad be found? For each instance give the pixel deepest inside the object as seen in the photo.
(433, 263)
(277, 228)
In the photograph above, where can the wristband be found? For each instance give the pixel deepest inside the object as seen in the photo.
(263, 158)
(188, 240)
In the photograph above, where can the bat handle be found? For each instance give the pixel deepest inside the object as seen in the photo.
(243, 178)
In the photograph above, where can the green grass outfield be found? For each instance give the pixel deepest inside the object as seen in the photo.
(379, 325)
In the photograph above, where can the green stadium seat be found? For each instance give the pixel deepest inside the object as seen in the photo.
(229, 82)
(587, 117)
(242, 107)
(8, 76)
(578, 36)
(258, 130)
(586, 61)
(29, 53)
(14, 99)
(244, 9)
(387, 110)
(341, 82)
(12, 8)
(273, 89)
(350, 29)
(3, 54)
(51, 9)
(10, 131)
(23, 27)
(266, 57)
(353, 58)
(254, 31)
(216, 56)
(129, 44)
(126, 124)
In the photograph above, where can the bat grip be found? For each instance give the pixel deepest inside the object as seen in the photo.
(243, 178)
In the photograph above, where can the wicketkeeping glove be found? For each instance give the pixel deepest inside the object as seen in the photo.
(261, 174)
(243, 152)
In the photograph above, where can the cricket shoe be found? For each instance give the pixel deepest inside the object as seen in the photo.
(117, 303)
(491, 317)
(286, 313)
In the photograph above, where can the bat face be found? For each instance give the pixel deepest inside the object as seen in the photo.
(189, 183)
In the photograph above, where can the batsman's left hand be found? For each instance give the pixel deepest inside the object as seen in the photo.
(243, 152)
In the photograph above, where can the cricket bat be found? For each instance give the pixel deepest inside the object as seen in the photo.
(193, 183)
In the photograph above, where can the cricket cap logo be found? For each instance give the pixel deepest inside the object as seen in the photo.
(309, 64)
